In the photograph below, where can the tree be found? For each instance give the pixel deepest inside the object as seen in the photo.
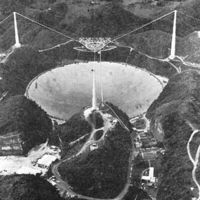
(29, 187)
(21, 67)
(20, 114)
(101, 173)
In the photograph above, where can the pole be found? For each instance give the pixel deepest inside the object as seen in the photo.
(17, 43)
(94, 102)
(101, 79)
(173, 43)
(94, 98)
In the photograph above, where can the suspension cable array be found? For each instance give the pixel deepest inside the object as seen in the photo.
(98, 45)
(1, 22)
(141, 27)
(46, 27)
(90, 43)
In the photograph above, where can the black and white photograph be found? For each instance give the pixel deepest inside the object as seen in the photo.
(99, 99)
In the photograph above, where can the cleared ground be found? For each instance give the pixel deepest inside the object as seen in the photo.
(24, 165)
(64, 91)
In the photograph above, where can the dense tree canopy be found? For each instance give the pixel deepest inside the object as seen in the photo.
(171, 114)
(27, 187)
(17, 113)
(101, 173)
(21, 67)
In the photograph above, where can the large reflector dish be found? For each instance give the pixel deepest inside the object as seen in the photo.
(64, 91)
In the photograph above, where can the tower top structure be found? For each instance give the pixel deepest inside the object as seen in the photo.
(95, 44)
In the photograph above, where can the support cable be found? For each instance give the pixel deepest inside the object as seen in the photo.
(5, 18)
(56, 46)
(44, 26)
(163, 16)
(189, 16)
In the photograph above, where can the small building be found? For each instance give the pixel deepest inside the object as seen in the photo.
(149, 153)
(148, 177)
(46, 160)
(137, 142)
(11, 144)
(93, 146)
(52, 180)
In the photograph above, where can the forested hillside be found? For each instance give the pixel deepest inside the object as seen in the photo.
(24, 116)
(21, 67)
(100, 173)
(174, 116)
(24, 187)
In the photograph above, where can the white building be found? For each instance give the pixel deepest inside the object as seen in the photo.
(46, 160)
(93, 146)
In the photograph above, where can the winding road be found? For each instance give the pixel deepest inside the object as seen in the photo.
(195, 161)
(65, 188)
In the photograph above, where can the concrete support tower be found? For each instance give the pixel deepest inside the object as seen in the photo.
(17, 43)
(173, 43)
